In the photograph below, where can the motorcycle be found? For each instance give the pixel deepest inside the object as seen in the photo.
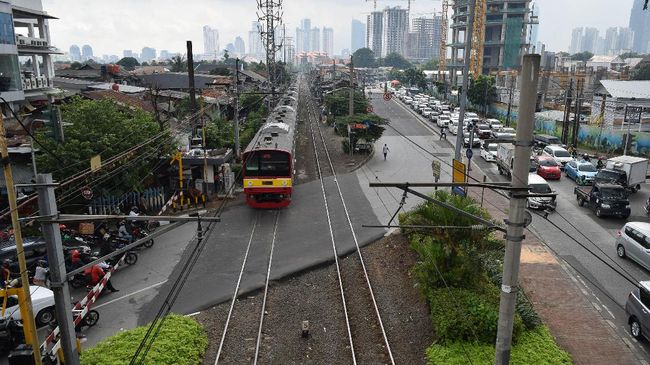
(140, 233)
(11, 334)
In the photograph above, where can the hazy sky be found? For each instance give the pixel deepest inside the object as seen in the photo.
(112, 26)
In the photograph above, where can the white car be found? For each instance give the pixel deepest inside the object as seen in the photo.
(494, 124)
(426, 112)
(470, 115)
(559, 154)
(443, 121)
(453, 127)
(489, 152)
(42, 305)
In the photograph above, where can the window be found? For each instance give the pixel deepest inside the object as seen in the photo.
(562, 153)
(572, 164)
(268, 163)
(9, 73)
(547, 162)
(7, 35)
(638, 237)
(645, 297)
(587, 168)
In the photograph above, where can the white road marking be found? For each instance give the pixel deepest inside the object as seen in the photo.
(131, 294)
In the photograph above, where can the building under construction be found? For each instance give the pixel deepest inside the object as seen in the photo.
(501, 25)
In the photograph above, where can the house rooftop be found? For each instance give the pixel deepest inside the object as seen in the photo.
(119, 98)
(627, 89)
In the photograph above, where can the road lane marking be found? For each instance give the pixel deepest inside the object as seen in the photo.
(130, 294)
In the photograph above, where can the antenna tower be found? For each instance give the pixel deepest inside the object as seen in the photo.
(269, 15)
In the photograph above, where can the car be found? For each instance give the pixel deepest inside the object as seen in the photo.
(470, 115)
(443, 121)
(475, 142)
(633, 242)
(538, 185)
(637, 309)
(561, 155)
(543, 140)
(548, 168)
(504, 133)
(426, 112)
(453, 127)
(482, 131)
(489, 152)
(494, 124)
(42, 305)
(434, 116)
(583, 172)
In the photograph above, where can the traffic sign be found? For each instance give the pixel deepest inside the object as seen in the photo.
(387, 96)
(87, 193)
(469, 153)
(369, 109)
(458, 171)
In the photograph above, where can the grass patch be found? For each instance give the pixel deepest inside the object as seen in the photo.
(181, 340)
(534, 347)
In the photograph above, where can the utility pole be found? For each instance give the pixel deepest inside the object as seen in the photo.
(463, 95)
(236, 119)
(205, 154)
(576, 114)
(30, 325)
(62, 303)
(627, 136)
(190, 73)
(515, 222)
(567, 113)
(351, 90)
(512, 89)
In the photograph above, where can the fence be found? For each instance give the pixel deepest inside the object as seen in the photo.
(149, 200)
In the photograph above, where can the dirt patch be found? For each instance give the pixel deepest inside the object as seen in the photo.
(314, 296)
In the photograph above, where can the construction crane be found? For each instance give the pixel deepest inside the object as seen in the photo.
(442, 62)
(375, 4)
(478, 38)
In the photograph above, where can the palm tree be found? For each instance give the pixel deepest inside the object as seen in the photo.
(178, 64)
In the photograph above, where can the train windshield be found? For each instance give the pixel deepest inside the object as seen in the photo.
(268, 163)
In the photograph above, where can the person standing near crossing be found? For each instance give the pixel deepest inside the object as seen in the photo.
(385, 150)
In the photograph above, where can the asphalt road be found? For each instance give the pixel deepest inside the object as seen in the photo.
(606, 289)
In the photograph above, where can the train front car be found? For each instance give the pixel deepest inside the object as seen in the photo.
(268, 162)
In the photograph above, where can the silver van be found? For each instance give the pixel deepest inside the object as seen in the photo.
(634, 242)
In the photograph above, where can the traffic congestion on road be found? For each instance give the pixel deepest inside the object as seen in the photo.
(598, 221)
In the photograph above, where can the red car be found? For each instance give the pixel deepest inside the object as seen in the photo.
(548, 168)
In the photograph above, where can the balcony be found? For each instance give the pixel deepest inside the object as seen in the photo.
(22, 41)
(36, 82)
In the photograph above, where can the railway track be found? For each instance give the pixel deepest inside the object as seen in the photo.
(249, 317)
(368, 341)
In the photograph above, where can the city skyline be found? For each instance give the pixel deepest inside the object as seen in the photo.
(110, 22)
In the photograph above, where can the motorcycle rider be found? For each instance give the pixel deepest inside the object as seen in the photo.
(646, 207)
(122, 232)
(40, 273)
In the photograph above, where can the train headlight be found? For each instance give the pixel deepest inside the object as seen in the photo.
(284, 183)
(250, 183)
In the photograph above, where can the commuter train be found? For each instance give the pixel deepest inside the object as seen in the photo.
(268, 158)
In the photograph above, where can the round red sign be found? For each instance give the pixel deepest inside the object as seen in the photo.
(387, 96)
(87, 193)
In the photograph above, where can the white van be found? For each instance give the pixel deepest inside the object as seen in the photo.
(538, 185)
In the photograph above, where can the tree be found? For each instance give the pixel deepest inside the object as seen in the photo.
(226, 56)
(642, 72)
(128, 63)
(222, 71)
(582, 56)
(397, 61)
(415, 77)
(178, 64)
(627, 55)
(482, 91)
(364, 57)
(338, 103)
(145, 63)
(74, 65)
(104, 128)
(432, 64)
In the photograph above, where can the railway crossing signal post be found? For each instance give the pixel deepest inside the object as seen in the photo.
(516, 217)
(28, 317)
(62, 303)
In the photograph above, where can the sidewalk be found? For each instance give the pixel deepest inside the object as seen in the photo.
(575, 323)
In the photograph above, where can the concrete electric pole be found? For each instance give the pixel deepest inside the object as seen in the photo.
(62, 303)
(516, 221)
(463, 95)
(236, 118)
(351, 90)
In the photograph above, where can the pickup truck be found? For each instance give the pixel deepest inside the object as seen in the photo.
(604, 199)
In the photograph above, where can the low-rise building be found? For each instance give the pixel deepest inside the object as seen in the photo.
(615, 100)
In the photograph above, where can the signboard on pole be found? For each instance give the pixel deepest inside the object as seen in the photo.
(435, 168)
(95, 163)
(87, 192)
(387, 96)
(458, 176)
(369, 109)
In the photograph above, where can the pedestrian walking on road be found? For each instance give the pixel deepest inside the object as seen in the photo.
(385, 150)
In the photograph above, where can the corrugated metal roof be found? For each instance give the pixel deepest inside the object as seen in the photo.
(627, 89)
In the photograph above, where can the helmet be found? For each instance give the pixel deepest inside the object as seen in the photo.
(135, 209)
(42, 263)
(85, 250)
(122, 222)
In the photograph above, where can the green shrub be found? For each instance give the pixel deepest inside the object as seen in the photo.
(460, 314)
(533, 347)
(181, 340)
